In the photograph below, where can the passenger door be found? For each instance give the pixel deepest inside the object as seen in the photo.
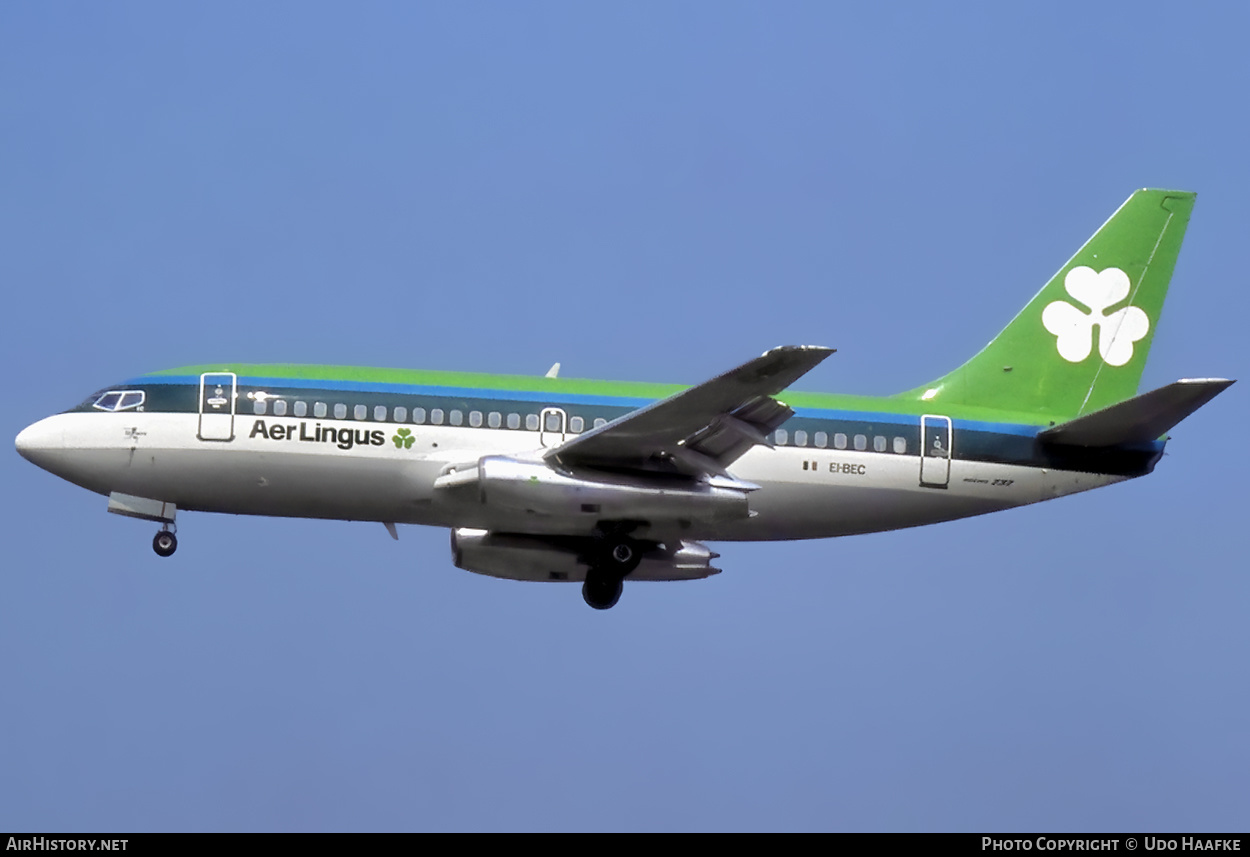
(217, 394)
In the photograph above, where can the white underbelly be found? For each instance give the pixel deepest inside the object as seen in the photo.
(385, 472)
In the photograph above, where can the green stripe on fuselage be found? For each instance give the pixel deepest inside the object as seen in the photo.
(633, 394)
(420, 378)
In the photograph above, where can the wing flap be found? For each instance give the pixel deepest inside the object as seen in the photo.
(703, 429)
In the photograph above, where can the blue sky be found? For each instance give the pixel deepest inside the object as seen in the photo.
(649, 191)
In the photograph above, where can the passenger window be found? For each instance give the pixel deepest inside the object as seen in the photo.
(360, 412)
(878, 443)
(600, 421)
(379, 413)
(475, 419)
(494, 419)
(514, 421)
(861, 442)
(340, 411)
(301, 409)
(553, 422)
(279, 408)
(400, 414)
(531, 422)
(418, 415)
(781, 437)
(576, 424)
(436, 416)
(839, 441)
(456, 418)
(900, 445)
(258, 406)
(319, 409)
(800, 438)
(821, 439)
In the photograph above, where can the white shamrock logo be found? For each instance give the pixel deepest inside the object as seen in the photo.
(1075, 330)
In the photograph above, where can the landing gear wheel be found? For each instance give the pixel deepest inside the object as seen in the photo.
(602, 590)
(165, 543)
(621, 555)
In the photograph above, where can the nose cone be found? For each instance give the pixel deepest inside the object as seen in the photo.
(39, 442)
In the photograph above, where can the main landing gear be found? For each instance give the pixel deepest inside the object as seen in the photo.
(614, 560)
(165, 542)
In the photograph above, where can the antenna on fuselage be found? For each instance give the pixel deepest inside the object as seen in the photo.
(554, 371)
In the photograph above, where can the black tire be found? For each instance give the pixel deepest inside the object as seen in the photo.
(165, 543)
(602, 589)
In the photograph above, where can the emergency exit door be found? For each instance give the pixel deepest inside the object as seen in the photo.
(553, 425)
(935, 451)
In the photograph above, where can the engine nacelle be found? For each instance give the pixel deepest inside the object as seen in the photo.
(559, 558)
(534, 487)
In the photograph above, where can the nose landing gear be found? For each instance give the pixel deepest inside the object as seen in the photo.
(146, 509)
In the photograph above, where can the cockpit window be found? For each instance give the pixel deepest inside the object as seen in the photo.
(119, 400)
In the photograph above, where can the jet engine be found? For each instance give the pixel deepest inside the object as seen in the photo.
(562, 558)
(533, 487)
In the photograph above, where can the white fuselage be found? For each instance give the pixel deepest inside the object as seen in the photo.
(279, 466)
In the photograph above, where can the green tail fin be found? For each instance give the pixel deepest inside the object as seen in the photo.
(1081, 343)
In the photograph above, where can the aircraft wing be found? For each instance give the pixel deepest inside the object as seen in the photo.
(702, 430)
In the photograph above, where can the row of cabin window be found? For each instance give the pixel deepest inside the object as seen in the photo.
(860, 441)
(495, 419)
(435, 416)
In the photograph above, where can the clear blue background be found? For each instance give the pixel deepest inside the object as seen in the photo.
(646, 191)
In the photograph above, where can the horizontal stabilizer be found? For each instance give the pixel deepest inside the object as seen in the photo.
(1140, 419)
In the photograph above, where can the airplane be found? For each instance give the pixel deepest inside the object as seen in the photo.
(557, 479)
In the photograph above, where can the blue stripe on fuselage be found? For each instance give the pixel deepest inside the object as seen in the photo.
(1019, 429)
